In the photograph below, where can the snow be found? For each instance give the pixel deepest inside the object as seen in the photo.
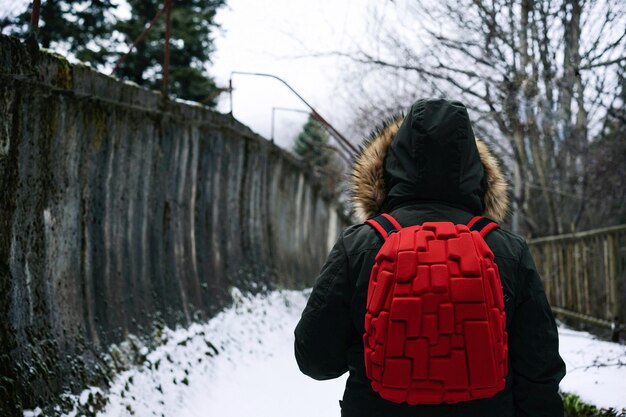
(241, 363)
(33, 413)
(596, 370)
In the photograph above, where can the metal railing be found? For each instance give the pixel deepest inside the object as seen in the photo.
(167, 8)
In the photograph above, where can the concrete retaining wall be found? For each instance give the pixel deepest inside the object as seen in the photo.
(119, 211)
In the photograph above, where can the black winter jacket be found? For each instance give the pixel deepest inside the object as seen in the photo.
(429, 167)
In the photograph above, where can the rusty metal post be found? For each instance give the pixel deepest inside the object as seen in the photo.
(31, 41)
(341, 140)
(34, 17)
(274, 109)
(139, 38)
(166, 60)
(345, 145)
(272, 128)
(230, 90)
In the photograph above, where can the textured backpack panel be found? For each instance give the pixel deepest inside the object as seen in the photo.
(435, 322)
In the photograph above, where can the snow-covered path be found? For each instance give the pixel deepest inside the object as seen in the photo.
(254, 372)
(263, 379)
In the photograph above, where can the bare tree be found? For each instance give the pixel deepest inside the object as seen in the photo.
(606, 168)
(540, 77)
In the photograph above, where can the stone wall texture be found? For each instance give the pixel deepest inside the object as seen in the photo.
(120, 211)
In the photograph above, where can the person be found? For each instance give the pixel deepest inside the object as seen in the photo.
(429, 167)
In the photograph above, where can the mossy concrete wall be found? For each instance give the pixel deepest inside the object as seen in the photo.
(119, 211)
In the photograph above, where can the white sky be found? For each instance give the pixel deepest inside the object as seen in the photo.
(267, 36)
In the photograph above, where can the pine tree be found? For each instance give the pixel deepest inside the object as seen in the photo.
(64, 22)
(190, 48)
(312, 146)
(91, 32)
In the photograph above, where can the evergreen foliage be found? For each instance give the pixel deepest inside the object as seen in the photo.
(91, 31)
(71, 23)
(312, 146)
(575, 407)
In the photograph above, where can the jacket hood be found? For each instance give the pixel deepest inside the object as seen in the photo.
(429, 156)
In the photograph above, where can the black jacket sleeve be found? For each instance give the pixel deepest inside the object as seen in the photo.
(537, 367)
(323, 334)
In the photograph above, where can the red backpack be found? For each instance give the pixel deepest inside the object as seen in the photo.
(435, 322)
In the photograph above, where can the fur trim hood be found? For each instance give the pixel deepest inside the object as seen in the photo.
(432, 156)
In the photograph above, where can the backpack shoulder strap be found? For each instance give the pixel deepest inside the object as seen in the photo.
(384, 224)
(482, 225)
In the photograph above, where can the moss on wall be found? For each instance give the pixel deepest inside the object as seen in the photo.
(120, 216)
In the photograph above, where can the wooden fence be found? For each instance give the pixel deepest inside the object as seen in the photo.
(584, 274)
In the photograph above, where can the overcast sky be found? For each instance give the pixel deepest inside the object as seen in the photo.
(268, 36)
